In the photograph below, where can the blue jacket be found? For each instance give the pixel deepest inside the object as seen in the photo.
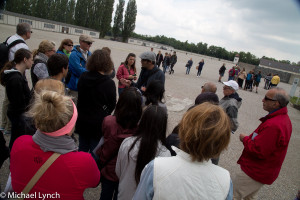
(60, 52)
(77, 65)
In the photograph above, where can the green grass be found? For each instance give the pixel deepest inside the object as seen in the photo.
(293, 100)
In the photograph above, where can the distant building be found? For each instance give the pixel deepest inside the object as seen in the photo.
(149, 44)
(286, 72)
(11, 18)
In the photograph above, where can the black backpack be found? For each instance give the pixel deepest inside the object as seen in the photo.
(4, 50)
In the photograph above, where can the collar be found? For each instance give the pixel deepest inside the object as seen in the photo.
(187, 156)
(19, 37)
(280, 111)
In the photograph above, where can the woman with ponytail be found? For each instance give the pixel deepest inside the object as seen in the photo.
(72, 172)
(148, 142)
(17, 90)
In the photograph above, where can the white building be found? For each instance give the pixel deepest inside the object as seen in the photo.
(149, 44)
(14, 19)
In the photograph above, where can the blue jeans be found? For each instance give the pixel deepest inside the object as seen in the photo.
(230, 78)
(87, 143)
(165, 68)
(188, 70)
(109, 189)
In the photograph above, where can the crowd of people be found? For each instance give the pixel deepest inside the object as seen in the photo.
(122, 141)
(250, 80)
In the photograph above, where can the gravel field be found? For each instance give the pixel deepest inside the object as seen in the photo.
(181, 91)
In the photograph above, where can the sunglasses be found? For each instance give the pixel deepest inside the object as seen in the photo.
(88, 43)
(70, 45)
(268, 99)
(227, 87)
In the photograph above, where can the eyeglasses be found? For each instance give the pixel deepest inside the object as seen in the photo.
(70, 45)
(31, 32)
(268, 99)
(227, 88)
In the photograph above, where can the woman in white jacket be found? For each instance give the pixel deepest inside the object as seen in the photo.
(137, 151)
(204, 133)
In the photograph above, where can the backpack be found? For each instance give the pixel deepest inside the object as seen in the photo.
(4, 50)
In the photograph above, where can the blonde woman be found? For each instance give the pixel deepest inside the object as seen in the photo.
(204, 133)
(39, 69)
(72, 172)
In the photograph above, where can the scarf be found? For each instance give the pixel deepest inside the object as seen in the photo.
(62, 145)
(68, 54)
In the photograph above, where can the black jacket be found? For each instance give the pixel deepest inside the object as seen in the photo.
(96, 100)
(159, 58)
(17, 90)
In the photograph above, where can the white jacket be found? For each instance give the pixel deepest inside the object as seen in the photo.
(180, 178)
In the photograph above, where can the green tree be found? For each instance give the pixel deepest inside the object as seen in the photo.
(80, 13)
(106, 17)
(70, 12)
(129, 21)
(118, 19)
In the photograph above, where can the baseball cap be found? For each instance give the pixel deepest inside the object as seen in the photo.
(148, 55)
(232, 84)
(86, 38)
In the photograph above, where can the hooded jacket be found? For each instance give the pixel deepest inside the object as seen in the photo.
(96, 100)
(231, 104)
(77, 64)
(17, 90)
(113, 135)
(265, 149)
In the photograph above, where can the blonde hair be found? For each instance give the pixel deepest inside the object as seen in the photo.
(49, 84)
(44, 47)
(51, 111)
(204, 132)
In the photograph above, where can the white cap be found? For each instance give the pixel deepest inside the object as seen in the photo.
(232, 84)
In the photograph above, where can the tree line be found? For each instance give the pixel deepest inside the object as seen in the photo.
(204, 49)
(95, 14)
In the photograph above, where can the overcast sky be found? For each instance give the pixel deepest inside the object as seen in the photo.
(263, 27)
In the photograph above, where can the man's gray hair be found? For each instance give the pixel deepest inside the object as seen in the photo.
(281, 96)
(209, 87)
(23, 28)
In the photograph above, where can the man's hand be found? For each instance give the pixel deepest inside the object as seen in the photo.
(143, 89)
(125, 82)
(242, 136)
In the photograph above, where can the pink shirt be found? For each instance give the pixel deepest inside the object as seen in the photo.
(123, 73)
(68, 176)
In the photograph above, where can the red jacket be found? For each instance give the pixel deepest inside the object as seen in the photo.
(265, 149)
(68, 176)
(123, 73)
(113, 135)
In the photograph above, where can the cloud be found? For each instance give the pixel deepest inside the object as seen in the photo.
(269, 27)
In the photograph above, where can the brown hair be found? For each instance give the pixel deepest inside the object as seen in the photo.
(100, 61)
(204, 132)
(51, 111)
(44, 47)
(50, 85)
(133, 65)
(64, 42)
(107, 49)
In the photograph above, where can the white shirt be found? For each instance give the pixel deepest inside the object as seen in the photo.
(13, 50)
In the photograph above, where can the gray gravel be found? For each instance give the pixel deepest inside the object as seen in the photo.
(181, 90)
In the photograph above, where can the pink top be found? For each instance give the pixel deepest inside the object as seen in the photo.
(123, 73)
(68, 176)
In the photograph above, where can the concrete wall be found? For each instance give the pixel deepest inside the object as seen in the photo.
(284, 76)
(148, 44)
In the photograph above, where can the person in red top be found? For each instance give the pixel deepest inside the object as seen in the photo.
(72, 172)
(264, 149)
(126, 71)
(115, 129)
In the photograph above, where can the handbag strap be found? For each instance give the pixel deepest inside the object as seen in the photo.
(40, 173)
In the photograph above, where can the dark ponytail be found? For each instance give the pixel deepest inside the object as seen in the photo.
(151, 130)
(19, 57)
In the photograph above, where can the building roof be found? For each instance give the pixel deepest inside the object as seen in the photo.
(45, 20)
(280, 66)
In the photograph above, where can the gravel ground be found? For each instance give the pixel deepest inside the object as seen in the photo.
(181, 90)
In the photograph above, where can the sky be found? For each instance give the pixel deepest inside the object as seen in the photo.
(263, 27)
